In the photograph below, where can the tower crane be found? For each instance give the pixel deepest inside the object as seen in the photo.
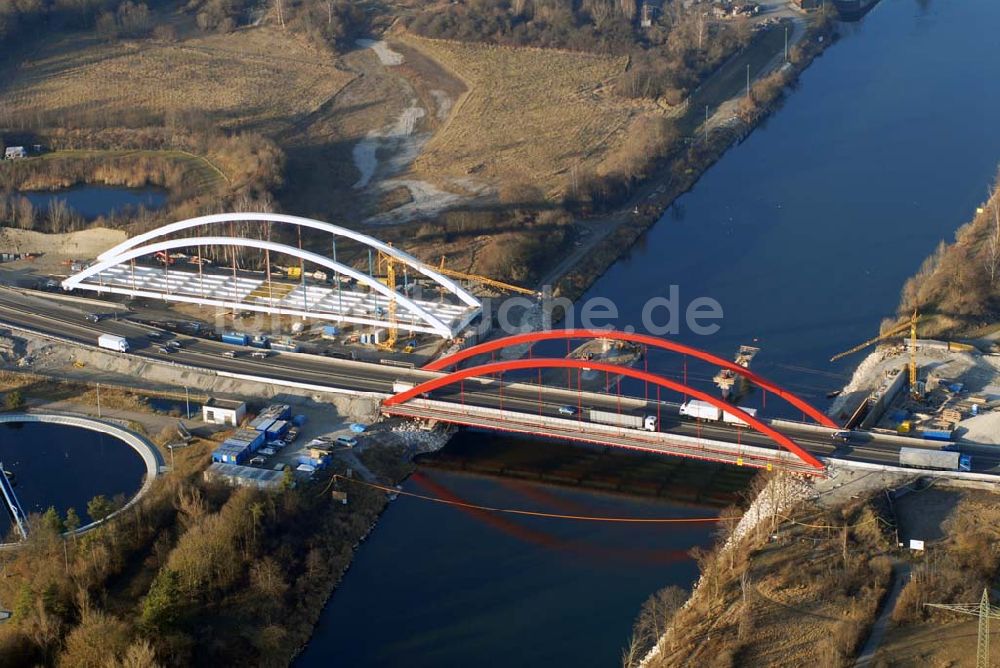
(898, 330)
(390, 281)
(476, 278)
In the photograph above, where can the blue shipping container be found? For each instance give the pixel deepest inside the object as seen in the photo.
(276, 430)
(277, 411)
(228, 453)
(235, 338)
(937, 435)
(262, 423)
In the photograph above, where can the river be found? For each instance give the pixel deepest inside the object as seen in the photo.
(804, 234)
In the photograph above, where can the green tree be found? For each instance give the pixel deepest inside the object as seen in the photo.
(52, 521)
(13, 400)
(72, 521)
(288, 481)
(162, 605)
(99, 507)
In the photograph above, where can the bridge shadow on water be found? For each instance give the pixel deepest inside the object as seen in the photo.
(592, 467)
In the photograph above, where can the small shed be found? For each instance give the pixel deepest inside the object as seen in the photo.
(14, 152)
(223, 411)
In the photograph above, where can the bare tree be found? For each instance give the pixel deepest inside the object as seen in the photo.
(628, 8)
(25, 214)
(657, 615)
(279, 6)
(58, 214)
(993, 241)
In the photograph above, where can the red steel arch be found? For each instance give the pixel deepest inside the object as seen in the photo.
(645, 339)
(555, 363)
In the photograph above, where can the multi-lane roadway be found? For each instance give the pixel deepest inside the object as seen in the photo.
(71, 321)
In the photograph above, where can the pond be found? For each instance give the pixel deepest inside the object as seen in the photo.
(93, 201)
(62, 466)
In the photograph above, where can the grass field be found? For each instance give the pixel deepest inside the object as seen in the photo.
(206, 175)
(258, 78)
(530, 115)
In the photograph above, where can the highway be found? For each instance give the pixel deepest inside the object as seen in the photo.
(69, 320)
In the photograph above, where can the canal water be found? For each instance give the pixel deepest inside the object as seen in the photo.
(65, 467)
(804, 234)
(92, 201)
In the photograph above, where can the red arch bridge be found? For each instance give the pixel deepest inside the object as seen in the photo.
(543, 401)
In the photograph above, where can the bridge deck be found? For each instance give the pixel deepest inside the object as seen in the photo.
(588, 432)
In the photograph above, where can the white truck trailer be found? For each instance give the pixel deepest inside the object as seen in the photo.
(401, 386)
(732, 419)
(112, 342)
(701, 410)
(644, 422)
(943, 460)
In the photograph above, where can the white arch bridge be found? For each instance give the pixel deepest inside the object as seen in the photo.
(365, 303)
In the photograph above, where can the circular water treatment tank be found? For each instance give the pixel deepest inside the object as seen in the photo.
(66, 465)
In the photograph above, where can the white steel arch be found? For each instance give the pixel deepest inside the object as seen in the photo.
(336, 230)
(434, 324)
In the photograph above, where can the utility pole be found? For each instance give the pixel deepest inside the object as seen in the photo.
(98, 400)
(187, 403)
(706, 123)
(748, 80)
(786, 44)
(985, 612)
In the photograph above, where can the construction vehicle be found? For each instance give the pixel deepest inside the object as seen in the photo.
(893, 332)
(483, 280)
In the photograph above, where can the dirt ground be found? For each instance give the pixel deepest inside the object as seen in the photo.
(511, 124)
(220, 75)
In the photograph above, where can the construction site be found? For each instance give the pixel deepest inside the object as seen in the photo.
(936, 390)
(246, 287)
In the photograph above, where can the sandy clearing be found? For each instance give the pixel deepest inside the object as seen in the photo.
(82, 244)
(427, 201)
(385, 55)
(365, 152)
(444, 104)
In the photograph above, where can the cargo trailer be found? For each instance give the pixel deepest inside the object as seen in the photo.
(943, 460)
(644, 422)
(701, 410)
(112, 342)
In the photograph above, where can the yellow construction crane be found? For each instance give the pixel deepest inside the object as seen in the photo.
(390, 281)
(499, 285)
(891, 333)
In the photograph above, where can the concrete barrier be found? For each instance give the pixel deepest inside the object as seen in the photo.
(150, 455)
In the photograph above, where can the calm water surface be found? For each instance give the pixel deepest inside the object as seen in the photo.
(65, 467)
(805, 234)
(92, 201)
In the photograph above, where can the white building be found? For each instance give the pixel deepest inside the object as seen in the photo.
(223, 411)
(14, 152)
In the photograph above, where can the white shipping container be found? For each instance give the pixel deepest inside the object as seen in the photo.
(112, 342)
(929, 459)
(399, 386)
(732, 419)
(700, 409)
(647, 422)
